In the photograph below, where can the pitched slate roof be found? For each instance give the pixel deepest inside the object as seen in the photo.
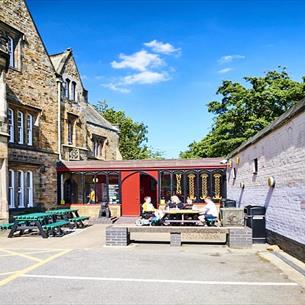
(93, 117)
(94, 165)
(281, 120)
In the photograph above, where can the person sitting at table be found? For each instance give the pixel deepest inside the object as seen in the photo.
(210, 210)
(147, 207)
(92, 197)
(175, 203)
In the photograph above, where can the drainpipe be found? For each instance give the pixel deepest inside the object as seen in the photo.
(59, 81)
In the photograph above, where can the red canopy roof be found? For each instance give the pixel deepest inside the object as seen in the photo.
(95, 165)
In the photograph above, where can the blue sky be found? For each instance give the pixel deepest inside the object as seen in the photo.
(162, 61)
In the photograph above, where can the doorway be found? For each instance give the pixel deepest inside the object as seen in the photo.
(148, 187)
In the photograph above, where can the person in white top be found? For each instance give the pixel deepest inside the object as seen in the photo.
(209, 210)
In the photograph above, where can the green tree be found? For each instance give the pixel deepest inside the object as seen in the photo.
(244, 110)
(133, 135)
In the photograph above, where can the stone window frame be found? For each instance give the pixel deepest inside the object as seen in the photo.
(99, 151)
(73, 95)
(15, 39)
(20, 127)
(67, 88)
(22, 195)
(26, 136)
(71, 129)
(29, 129)
(11, 189)
(11, 124)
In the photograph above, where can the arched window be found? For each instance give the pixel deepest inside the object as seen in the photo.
(73, 91)
(10, 118)
(11, 189)
(28, 189)
(11, 50)
(29, 129)
(20, 127)
(67, 88)
(20, 189)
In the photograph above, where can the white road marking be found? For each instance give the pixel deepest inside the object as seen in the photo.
(106, 279)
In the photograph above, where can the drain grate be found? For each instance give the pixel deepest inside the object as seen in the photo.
(290, 263)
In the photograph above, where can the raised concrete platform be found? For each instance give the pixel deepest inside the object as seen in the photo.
(237, 237)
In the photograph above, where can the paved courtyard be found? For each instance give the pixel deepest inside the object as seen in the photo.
(79, 269)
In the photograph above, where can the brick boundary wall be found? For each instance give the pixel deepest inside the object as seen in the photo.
(175, 239)
(288, 245)
(240, 237)
(117, 236)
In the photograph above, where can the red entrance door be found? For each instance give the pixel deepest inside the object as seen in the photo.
(130, 193)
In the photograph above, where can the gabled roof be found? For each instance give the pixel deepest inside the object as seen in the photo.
(59, 60)
(95, 118)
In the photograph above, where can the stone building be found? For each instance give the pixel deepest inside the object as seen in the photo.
(269, 170)
(43, 115)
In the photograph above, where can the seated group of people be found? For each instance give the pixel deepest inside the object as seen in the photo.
(208, 211)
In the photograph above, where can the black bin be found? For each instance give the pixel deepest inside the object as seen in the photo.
(228, 203)
(255, 219)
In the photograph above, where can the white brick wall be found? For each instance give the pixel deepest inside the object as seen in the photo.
(280, 154)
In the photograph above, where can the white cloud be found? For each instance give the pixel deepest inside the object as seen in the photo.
(149, 68)
(141, 61)
(161, 47)
(229, 58)
(116, 87)
(225, 70)
(146, 77)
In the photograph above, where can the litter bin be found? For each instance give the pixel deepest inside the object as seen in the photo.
(255, 219)
(228, 203)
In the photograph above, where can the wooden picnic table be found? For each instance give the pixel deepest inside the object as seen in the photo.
(180, 216)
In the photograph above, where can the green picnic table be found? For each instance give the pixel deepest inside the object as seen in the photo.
(68, 214)
(30, 222)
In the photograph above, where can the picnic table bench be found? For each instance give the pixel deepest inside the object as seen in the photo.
(68, 214)
(51, 221)
(181, 216)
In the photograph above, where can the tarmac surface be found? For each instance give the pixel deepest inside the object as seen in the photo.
(79, 269)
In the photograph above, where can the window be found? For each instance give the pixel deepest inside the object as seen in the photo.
(29, 129)
(98, 145)
(10, 117)
(70, 132)
(28, 189)
(11, 51)
(11, 189)
(20, 189)
(73, 91)
(20, 127)
(255, 166)
(96, 148)
(67, 88)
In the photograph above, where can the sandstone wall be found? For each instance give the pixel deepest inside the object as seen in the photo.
(34, 84)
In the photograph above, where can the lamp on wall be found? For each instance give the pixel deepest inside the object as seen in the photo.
(242, 185)
(237, 160)
(230, 163)
(271, 181)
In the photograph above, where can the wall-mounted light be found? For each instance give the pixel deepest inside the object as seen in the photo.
(95, 180)
(242, 185)
(271, 182)
(230, 163)
(237, 160)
